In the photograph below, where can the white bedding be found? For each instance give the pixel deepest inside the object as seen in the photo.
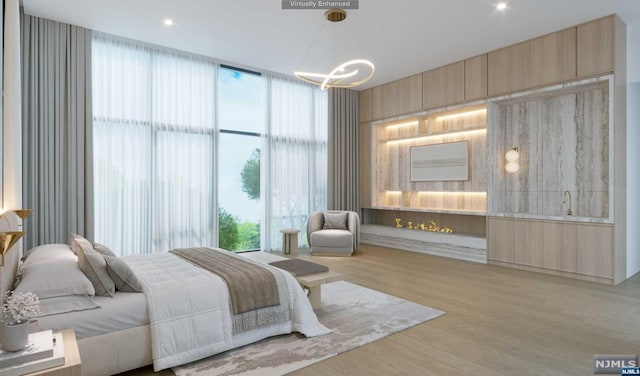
(124, 311)
(184, 325)
(189, 310)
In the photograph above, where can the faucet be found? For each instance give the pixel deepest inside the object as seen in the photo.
(564, 201)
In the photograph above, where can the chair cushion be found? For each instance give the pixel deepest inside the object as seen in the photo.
(335, 220)
(332, 238)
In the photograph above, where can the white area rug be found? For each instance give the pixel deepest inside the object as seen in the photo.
(357, 316)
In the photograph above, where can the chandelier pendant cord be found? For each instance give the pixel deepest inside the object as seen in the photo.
(306, 55)
(347, 74)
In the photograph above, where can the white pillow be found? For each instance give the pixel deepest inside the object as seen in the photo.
(51, 278)
(64, 304)
(49, 252)
(335, 220)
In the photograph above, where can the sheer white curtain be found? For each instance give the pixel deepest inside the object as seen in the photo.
(154, 160)
(298, 156)
(153, 147)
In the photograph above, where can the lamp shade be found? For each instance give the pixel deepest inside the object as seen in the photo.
(512, 155)
(512, 167)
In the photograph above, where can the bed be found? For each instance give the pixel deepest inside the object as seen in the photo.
(184, 313)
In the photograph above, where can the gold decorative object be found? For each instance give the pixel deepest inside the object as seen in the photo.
(7, 240)
(410, 225)
(399, 222)
(23, 213)
(434, 227)
(423, 226)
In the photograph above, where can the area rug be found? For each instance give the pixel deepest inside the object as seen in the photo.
(357, 316)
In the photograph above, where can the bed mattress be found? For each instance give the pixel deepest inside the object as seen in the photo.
(124, 311)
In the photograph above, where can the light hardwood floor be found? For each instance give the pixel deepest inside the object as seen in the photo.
(499, 321)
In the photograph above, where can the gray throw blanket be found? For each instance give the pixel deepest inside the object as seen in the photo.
(251, 286)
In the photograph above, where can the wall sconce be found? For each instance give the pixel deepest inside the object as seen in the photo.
(9, 238)
(512, 157)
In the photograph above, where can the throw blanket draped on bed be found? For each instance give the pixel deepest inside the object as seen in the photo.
(190, 314)
(250, 286)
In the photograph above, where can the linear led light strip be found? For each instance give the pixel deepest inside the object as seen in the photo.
(475, 131)
(439, 193)
(445, 117)
(393, 126)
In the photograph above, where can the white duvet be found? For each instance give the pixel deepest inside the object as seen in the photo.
(189, 311)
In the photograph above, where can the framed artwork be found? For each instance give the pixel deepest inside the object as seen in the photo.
(440, 162)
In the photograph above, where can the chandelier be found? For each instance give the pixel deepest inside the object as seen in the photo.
(349, 74)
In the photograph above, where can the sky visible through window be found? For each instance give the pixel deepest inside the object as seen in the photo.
(241, 107)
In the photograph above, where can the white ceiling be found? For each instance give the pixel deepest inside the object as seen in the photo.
(401, 37)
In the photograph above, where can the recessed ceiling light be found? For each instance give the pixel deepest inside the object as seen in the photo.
(501, 6)
(168, 22)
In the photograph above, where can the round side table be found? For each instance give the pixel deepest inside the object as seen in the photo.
(290, 241)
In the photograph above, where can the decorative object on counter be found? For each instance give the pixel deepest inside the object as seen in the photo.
(410, 225)
(399, 222)
(16, 311)
(512, 157)
(434, 227)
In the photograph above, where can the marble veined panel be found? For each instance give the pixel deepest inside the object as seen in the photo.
(563, 140)
(583, 203)
(592, 147)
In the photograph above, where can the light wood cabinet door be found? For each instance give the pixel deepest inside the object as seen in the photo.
(365, 105)
(553, 58)
(443, 86)
(500, 239)
(475, 78)
(396, 98)
(542, 61)
(509, 69)
(364, 171)
(595, 250)
(560, 246)
(528, 247)
(596, 47)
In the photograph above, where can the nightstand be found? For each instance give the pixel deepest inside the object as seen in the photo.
(71, 366)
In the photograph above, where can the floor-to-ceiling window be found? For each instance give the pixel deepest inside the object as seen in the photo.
(188, 152)
(242, 122)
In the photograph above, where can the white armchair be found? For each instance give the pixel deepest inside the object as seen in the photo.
(333, 233)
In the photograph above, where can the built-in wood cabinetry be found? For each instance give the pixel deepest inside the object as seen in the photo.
(455, 83)
(596, 47)
(500, 248)
(542, 61)
(475, 78)
(443, 86)
(364, 170)
(560, 246)
(527, 236)
(595, 250)
(399, 97)
(365, 106)
(581, 250)
(574, 247)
